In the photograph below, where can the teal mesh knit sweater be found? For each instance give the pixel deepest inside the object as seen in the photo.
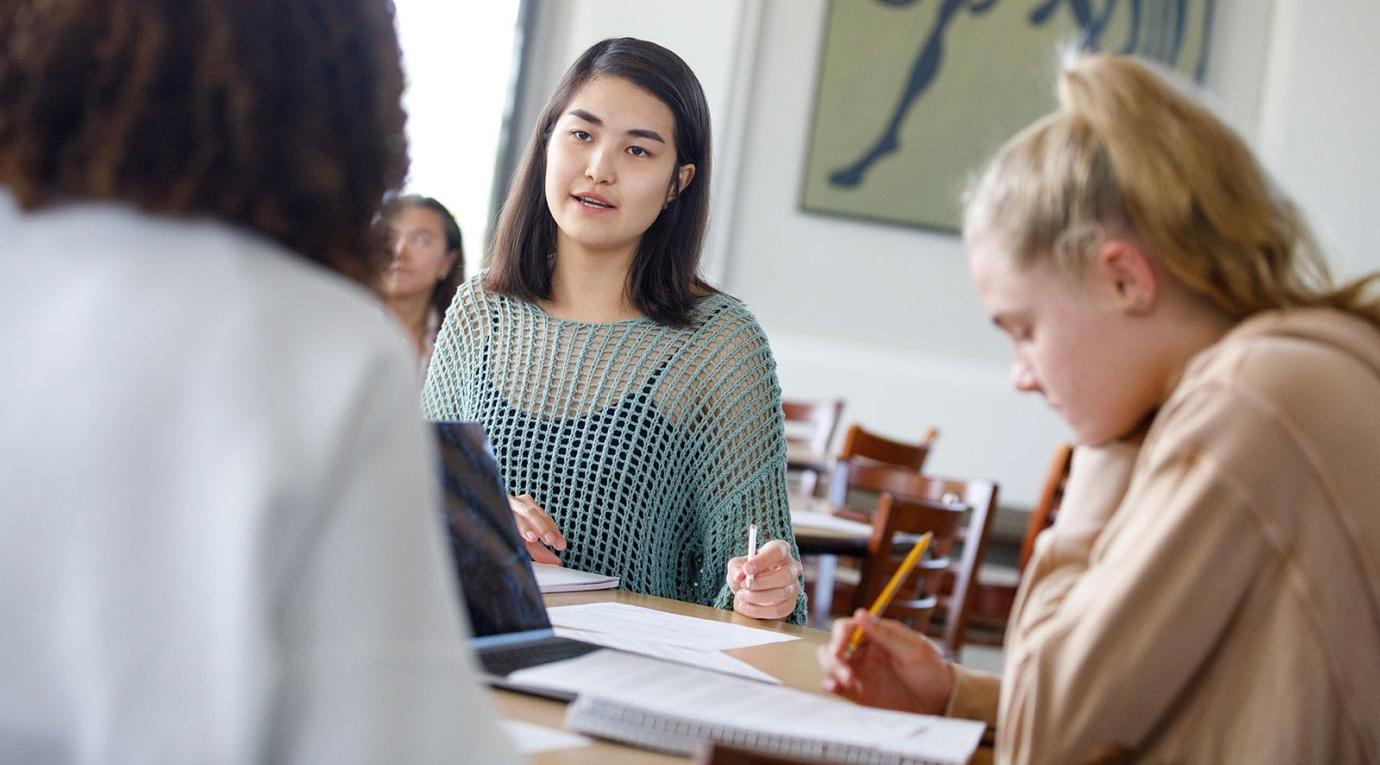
(652, 447)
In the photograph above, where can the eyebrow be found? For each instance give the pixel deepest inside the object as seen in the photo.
(650, 135)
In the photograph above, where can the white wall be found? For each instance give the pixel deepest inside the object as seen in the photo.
(884, 316)
(1321, 120)
(453, 139)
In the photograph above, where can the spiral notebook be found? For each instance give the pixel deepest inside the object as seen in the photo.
(671, 709)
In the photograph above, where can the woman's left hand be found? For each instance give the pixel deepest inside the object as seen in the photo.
(775, 582)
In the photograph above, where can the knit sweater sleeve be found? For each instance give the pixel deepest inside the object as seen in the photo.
(738, 428)
(446, 395)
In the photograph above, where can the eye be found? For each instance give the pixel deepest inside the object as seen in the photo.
(1016, 333)
(581, 135)
(638, 151)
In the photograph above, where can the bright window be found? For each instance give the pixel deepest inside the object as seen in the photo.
(458, 59)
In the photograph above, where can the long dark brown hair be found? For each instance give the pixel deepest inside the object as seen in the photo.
(280, 115)
(663, 281)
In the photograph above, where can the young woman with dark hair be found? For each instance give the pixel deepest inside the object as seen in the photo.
(427, 266)
(634, 409)
(219, 506)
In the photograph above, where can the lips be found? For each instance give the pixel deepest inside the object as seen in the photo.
(593, 201)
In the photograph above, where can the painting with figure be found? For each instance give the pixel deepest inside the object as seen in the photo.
(914, 94)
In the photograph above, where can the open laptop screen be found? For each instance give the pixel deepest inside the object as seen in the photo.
(493, 566)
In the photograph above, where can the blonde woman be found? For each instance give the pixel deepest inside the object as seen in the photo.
(1211, 592)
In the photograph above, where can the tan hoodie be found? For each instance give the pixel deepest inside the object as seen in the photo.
(1213, 595)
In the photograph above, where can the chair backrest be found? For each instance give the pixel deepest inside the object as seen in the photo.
(812, 424)
(972, 504)
(861, 446)
(860, 443)
(896, 524)
(1042, 517)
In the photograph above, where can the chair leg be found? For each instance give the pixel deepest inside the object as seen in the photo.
(823, 596)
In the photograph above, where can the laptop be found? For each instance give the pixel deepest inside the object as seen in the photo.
(511, 628)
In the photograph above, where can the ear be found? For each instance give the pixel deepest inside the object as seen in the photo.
(684, 174)
(449, 262)
(1127, 271)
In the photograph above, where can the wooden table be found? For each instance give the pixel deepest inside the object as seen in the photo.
(801, 458)
(793, 662)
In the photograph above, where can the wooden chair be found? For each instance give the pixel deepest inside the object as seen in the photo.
(1051, 496)
(861, 446)
(810, 428)
(897, 523)
(975, 503)
(994, 599)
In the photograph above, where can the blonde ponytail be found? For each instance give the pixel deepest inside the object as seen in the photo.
(1129, 150)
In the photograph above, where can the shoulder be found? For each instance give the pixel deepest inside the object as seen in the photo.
(212, 287)
(162, 315)
(1289, 360)
(1284, 401)
(720, 320)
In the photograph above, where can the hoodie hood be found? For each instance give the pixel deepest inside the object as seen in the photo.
(1349, 333)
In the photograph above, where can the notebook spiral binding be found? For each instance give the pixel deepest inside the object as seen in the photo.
(676, 734)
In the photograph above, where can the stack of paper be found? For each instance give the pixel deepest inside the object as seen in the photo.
(686, 640)
(649, 703)
(561, 579)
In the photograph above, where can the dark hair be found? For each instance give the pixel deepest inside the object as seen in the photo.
(281, 116)
(445, 288)
(663, 281)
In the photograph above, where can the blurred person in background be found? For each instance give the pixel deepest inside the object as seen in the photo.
(427, 265)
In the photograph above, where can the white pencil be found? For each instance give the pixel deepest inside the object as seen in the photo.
(752, 548)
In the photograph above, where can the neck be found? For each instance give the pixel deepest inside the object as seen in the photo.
(591, 285)
(412, 311)
(1193, 327)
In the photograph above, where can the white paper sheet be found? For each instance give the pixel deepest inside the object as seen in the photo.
(717, 700)
(561, 579)
(621, 620)
(809, 519)
(711, 660)
(533, 739)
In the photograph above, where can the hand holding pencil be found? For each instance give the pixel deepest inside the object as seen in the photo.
(883, 663)
(766, 582)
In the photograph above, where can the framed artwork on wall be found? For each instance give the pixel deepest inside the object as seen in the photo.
(913, 95)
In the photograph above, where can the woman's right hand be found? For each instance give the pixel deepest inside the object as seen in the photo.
(537, 529)
(895, 667)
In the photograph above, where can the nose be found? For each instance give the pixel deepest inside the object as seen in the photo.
(600, 166)
(396, 247)
(1023, 377)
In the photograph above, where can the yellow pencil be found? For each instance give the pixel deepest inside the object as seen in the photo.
(884, 599)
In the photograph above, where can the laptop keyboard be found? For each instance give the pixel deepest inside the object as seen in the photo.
(502, 660)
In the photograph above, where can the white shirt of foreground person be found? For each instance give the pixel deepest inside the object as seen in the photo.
(218, 531)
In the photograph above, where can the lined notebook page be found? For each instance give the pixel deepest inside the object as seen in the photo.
(671, 708)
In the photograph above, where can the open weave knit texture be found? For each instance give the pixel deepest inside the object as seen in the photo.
(652, 447)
